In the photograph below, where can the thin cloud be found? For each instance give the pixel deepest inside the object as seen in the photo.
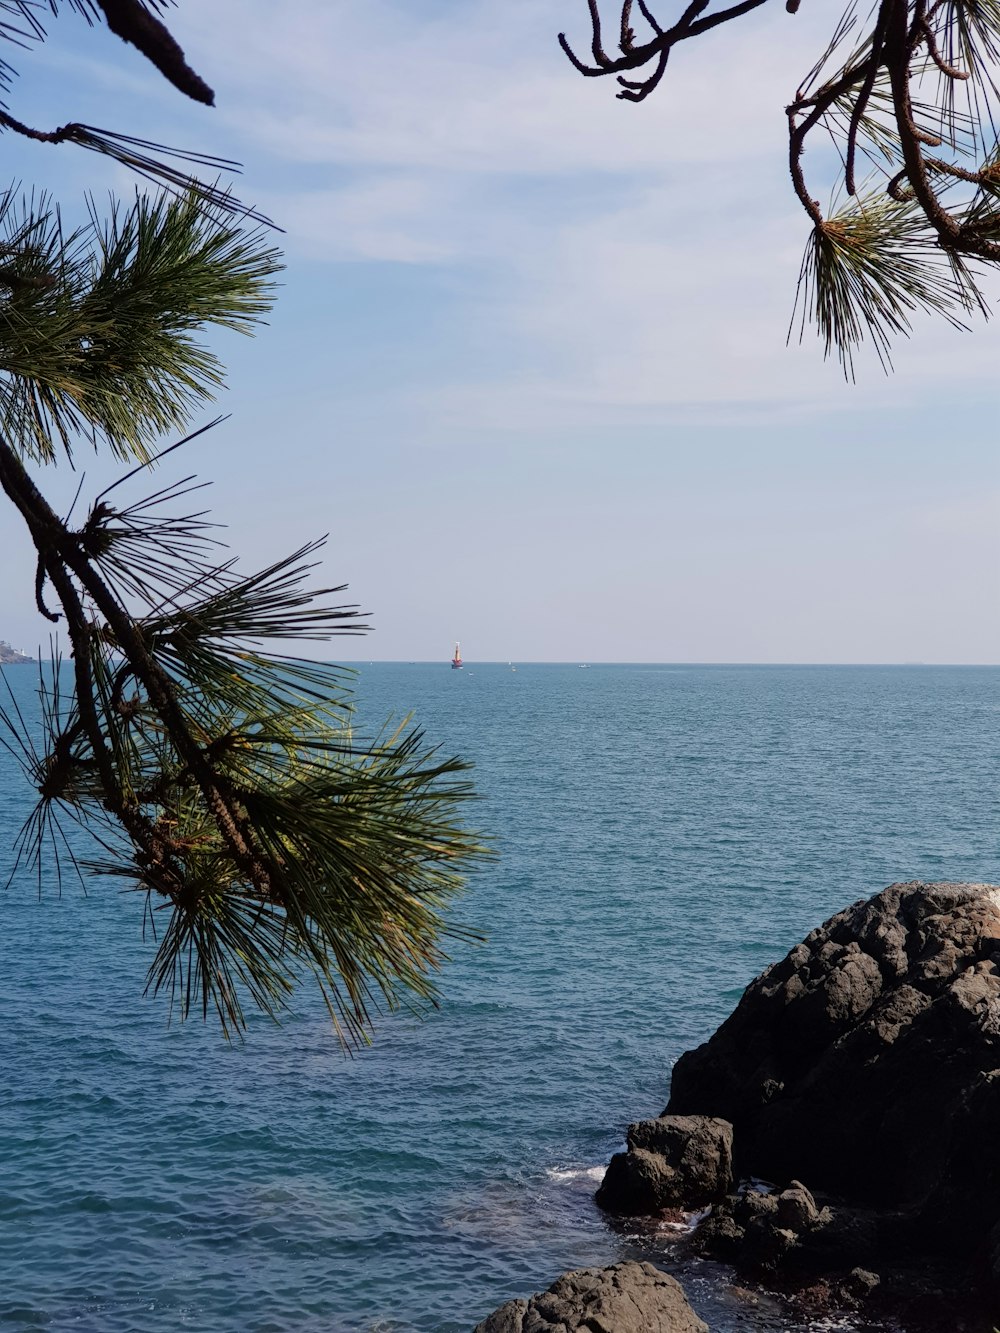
(641, 259)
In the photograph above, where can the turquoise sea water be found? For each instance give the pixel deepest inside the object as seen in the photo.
(665, 833)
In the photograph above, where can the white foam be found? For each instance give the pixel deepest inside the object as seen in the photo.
(754, 1185)
(595, 1173)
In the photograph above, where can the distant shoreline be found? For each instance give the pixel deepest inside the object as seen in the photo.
(11, 657)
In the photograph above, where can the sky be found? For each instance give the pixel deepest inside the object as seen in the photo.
(528, 366)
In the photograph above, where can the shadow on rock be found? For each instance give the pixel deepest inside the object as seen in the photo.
(867, 1065)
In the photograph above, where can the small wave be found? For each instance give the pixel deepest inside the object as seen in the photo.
(832, 1324)
(754, 1185)
(595, 1173)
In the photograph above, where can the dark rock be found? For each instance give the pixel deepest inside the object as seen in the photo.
(625, 1298)
(766, 1246)
(509, 1318)
(847, 1237)
(751, 1204)
(796, 1208)
(721, 1236)
(861, 1282)
(867, 1063)
(672, 1162)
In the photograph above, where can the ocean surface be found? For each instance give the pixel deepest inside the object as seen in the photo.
(664, 832)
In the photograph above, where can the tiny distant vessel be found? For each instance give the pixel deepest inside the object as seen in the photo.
(456, 661)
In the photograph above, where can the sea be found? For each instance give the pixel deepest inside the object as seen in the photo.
(663, 834)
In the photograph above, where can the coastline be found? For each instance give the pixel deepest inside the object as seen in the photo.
(12, 657)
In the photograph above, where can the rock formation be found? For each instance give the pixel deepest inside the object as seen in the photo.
(11, 657)
(625, 1298)
(866, 1064)
(676, 1161)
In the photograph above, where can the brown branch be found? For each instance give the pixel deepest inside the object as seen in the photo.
(588, 70)
(796, 140)
(894, 189)
(937, 57)
(898, 53)
(43, 527)
(818, 105)
(958, 173)
(901, 29)
(639, 90)
(723, 16)
(596, 45)
(40, 593)
(874, 61)
(644, 10)
(626, 38)
(62, 135)
(133, 23)
(61, 553)
(685, 27)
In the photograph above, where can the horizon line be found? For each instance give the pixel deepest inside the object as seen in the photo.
(595, 661)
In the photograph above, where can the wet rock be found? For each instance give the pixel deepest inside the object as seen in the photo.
(625, 1298)
(672, 1162)
(721, 1236)
(765, 1246)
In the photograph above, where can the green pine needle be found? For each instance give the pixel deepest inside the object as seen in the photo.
(868, 269)
(100, 330)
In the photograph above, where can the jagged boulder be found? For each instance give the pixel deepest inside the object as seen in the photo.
(792, 1232)
(867, 1062)
(625, 1298)
(675, 1161)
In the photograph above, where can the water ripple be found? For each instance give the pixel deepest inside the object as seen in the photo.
(665, 834)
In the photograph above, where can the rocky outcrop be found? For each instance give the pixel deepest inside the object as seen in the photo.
(675, 1161)
(789, 1230)
(867, 1062)
(11, 657)
(625, 1298)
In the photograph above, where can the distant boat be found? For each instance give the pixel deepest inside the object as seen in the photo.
(456, 661)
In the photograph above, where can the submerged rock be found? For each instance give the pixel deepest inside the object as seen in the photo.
(625, 1298)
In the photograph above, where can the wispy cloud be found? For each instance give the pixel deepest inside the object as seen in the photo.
(641, 257)
(493, 258)
(620, 260)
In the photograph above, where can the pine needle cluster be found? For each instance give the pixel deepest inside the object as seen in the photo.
(221, 778)
(139, 24)
(906, 94)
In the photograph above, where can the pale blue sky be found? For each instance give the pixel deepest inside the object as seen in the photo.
(528, 367)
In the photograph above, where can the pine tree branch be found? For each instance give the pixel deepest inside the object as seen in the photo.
(868, 107)
(59, 551)
(132, 22)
